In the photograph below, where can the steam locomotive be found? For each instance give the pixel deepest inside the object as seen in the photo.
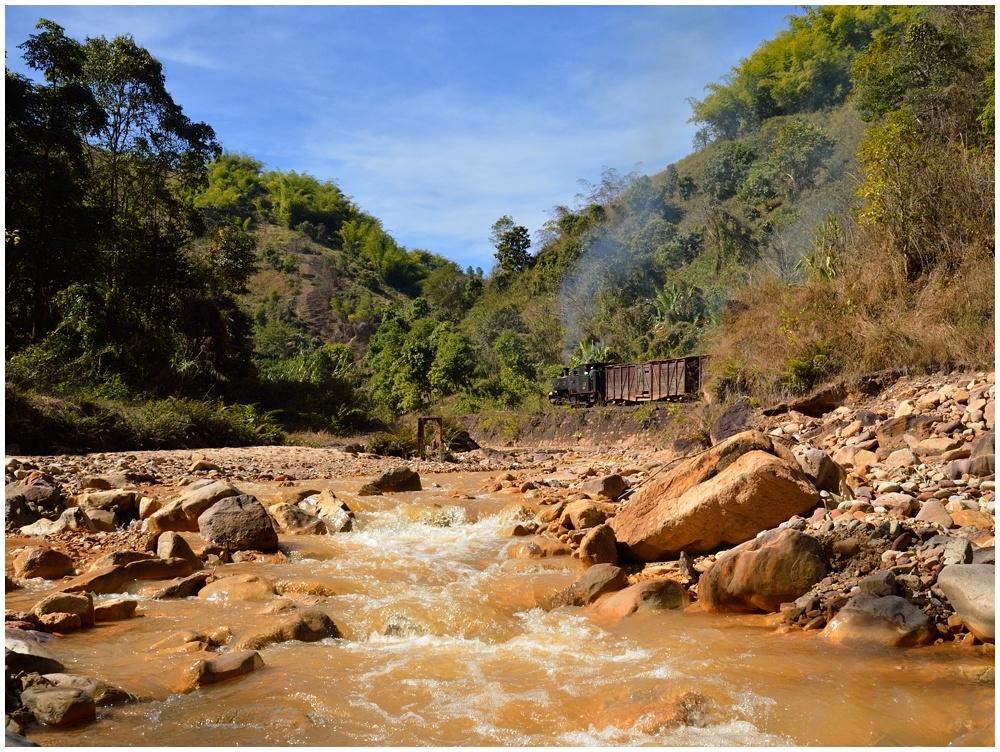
(629, 384)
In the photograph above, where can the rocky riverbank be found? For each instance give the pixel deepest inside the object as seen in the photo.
(864, 519)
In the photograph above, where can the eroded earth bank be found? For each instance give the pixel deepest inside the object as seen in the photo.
(819, 575)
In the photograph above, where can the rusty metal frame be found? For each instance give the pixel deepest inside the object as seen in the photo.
(438, 440)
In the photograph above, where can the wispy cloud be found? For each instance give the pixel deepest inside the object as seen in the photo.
(438, 119)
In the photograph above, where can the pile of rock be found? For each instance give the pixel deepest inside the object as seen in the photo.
(889, 540)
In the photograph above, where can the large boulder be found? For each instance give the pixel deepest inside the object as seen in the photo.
(239, 523)
(760, 575)
(181, 515)
(739, 417)
(39, 499)
(44, 562)
(886, 621)
(971, 591)
(699, 508)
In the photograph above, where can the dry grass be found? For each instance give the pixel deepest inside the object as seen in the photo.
(786, 338)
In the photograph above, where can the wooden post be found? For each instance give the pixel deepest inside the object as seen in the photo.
(438, 441)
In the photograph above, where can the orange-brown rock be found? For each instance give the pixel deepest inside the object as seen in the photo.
(648, 595)
(760, 575)
(698, 508)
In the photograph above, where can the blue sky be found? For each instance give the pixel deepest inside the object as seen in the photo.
(437, 119)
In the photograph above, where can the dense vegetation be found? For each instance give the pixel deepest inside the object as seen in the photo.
(836, 217)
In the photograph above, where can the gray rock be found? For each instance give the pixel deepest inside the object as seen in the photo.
(240, 523)
(971, 591)
(957, 551)
(879, 584)
(400, 478)
(102, 693)
(598, 580)
(608, 486)
(25, 653)
(59, 706)
(820, 468)
(16, 740)
(42, 499)
(737, 418)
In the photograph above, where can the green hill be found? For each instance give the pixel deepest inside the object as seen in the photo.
(835, 217)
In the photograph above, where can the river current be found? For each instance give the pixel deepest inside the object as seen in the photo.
(443, 645)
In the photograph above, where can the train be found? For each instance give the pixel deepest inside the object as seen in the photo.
(593, 384)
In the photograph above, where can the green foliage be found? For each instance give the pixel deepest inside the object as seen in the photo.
(803, 69)
(399, 443)
(645, 415)
(42, 424)
(588, 352)
(512, 243)
(806, 369)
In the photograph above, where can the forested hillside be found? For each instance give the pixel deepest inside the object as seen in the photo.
(835, 216)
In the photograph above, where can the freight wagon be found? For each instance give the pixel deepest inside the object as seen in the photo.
(630, 383)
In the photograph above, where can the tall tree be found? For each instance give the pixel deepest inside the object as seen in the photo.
(46, 178)
(512, 243)
(146, 162)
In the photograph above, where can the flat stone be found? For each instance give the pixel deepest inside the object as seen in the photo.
(224, 667)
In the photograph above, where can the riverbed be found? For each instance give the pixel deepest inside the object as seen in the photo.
(444, 645)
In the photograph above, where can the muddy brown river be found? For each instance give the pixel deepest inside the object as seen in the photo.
(442, 645)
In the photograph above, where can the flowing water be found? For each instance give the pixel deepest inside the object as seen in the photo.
(443, 645)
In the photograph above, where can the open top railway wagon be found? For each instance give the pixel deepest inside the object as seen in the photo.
(631, 383)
